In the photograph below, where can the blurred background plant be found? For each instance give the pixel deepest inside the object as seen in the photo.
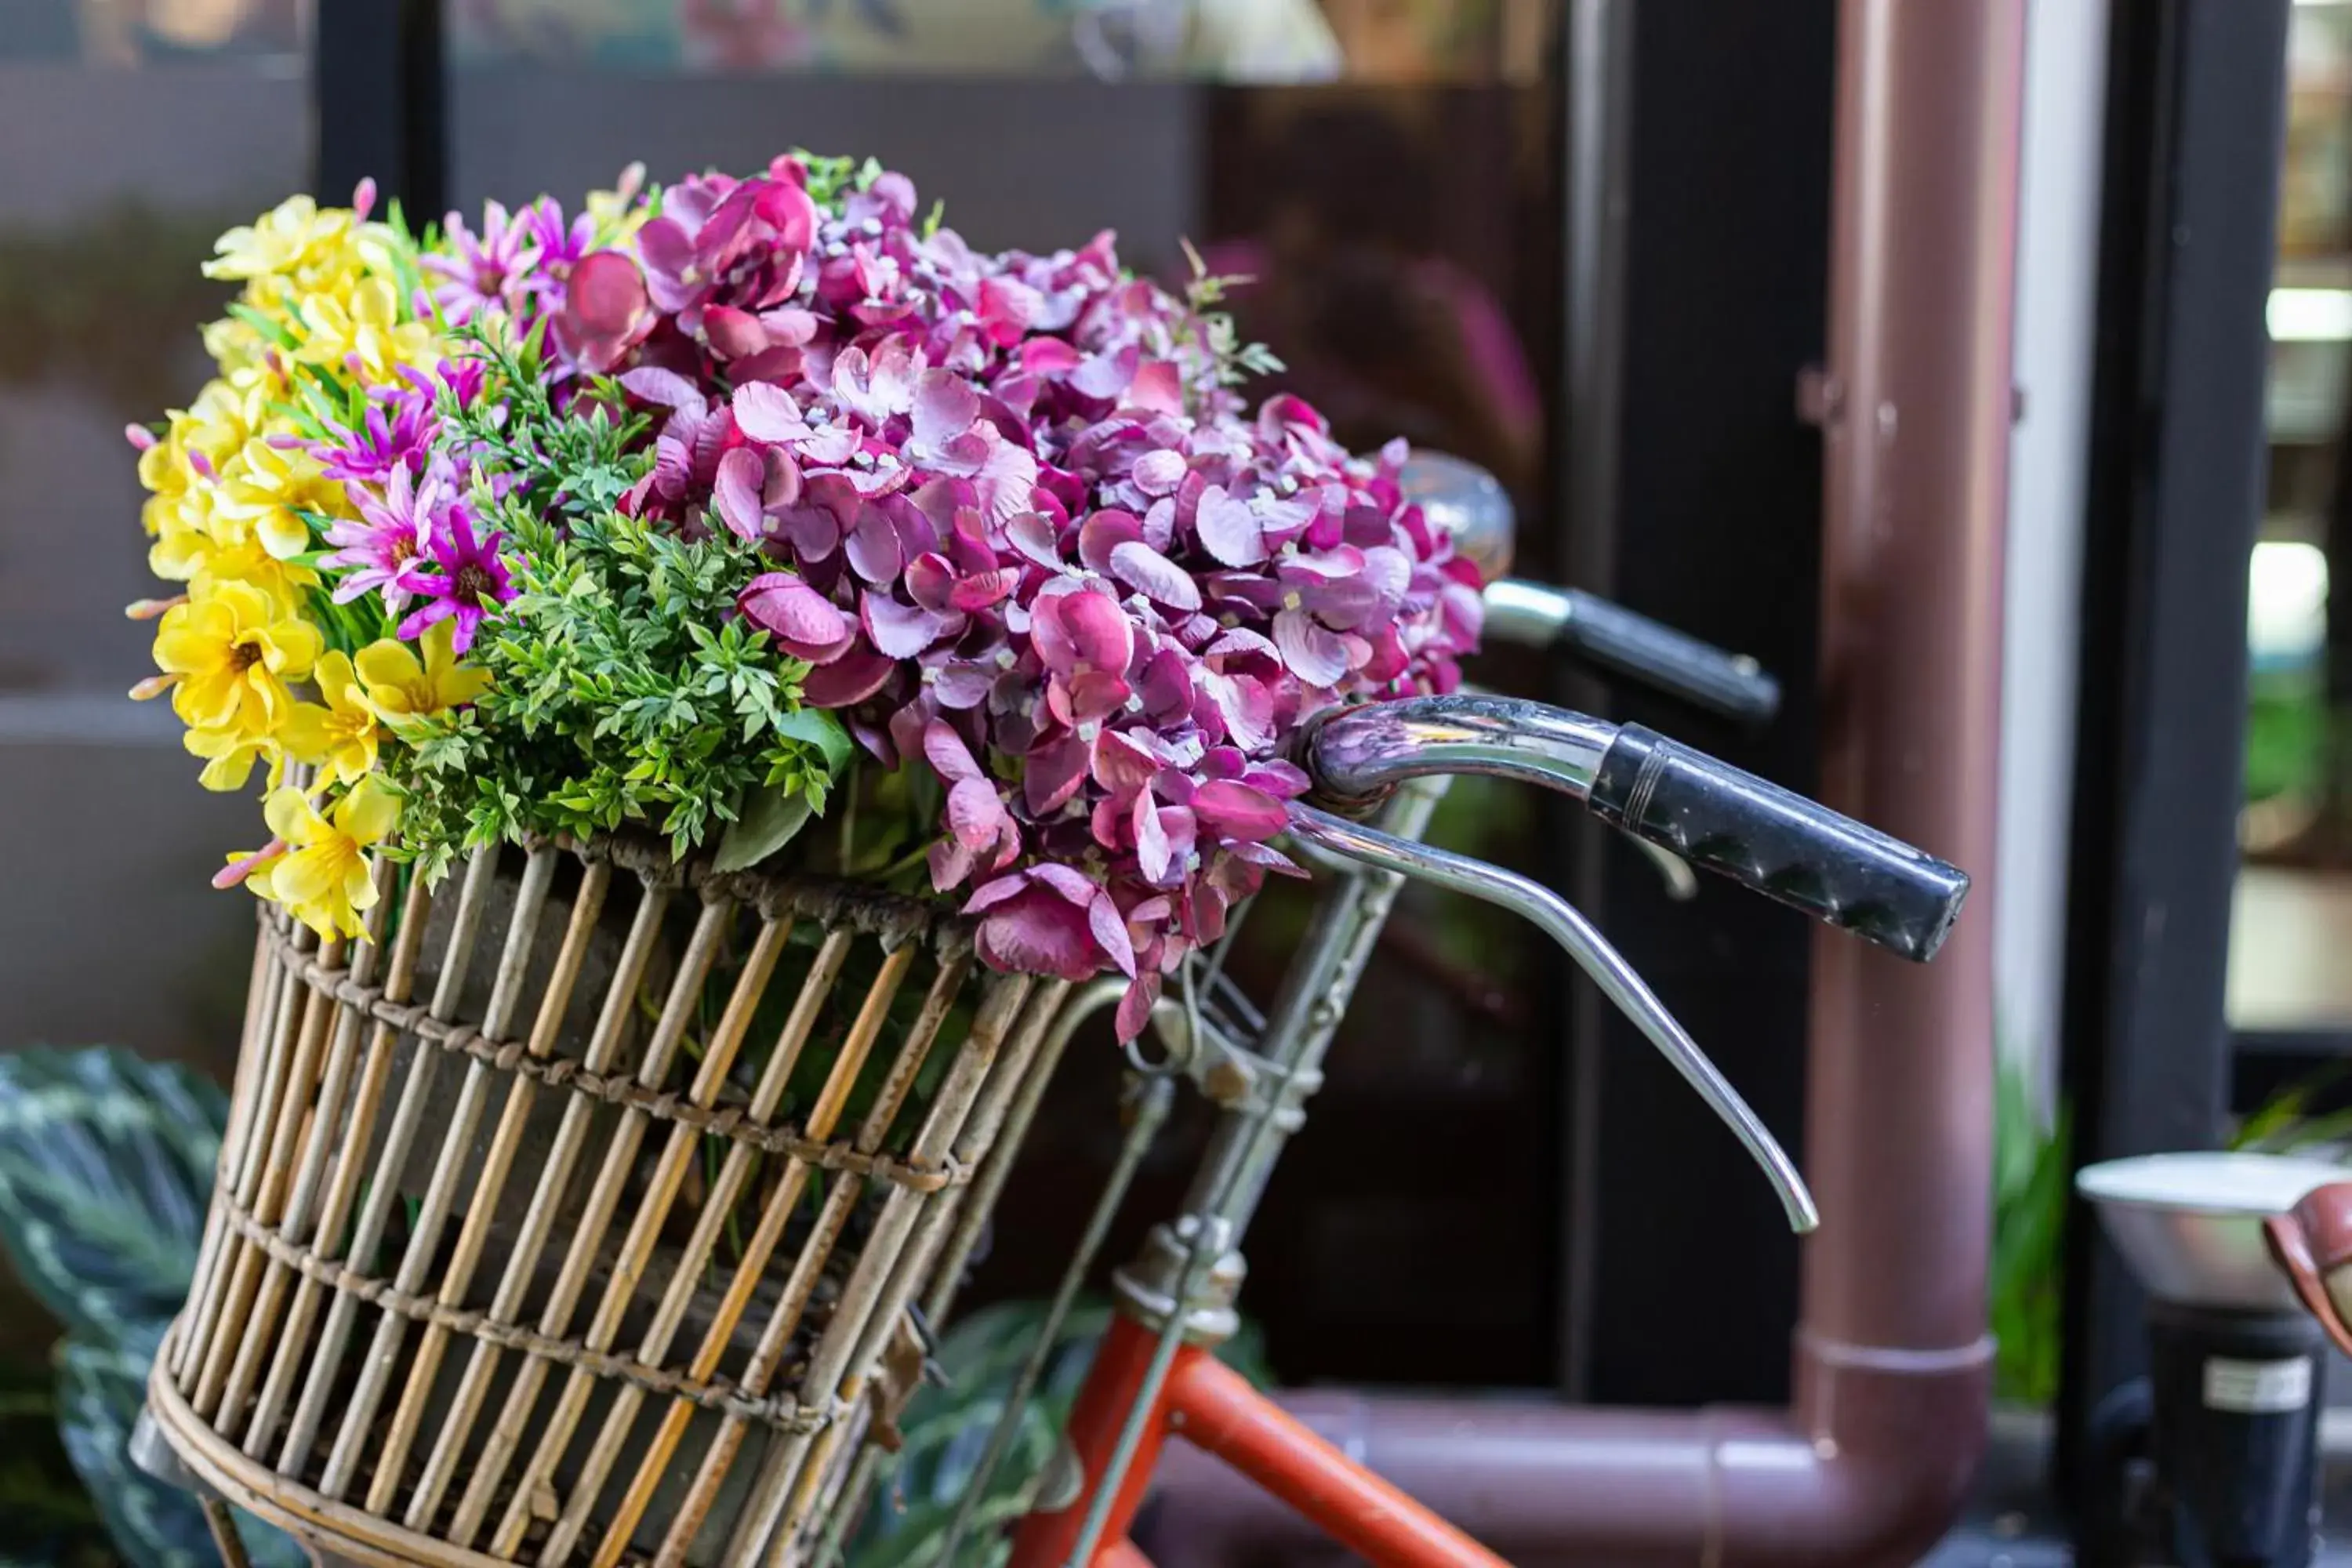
(2307, 1117)
(2029, 1219)
(105, 1163)
(946, 1428)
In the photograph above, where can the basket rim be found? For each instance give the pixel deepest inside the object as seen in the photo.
(882, 912)
(282, 1500)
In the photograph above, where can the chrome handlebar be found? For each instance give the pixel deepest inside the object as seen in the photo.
(1617, 980)
(1776, 842)
(1465, 501)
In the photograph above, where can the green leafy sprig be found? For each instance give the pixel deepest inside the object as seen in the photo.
(625, 688)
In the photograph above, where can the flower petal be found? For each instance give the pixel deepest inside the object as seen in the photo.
(804, 622)
(1140, 566)
(1229, 529)
(1110, 933)
(857, 674)
(767, 413)
(1316, 655)
(975, 814)
(945, 408)
(665, 387)
(872, 546)
(736, 492)
(732, 333)
(1158, 473)
(1053, 774)
(902, 631)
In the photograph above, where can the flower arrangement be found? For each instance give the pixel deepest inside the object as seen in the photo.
(658, 516)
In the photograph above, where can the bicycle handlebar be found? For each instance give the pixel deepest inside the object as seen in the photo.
(1465, 502)
(1617, 641)
(1767, 838)
(1779, 843)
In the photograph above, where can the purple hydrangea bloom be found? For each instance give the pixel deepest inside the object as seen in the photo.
(1021, 530)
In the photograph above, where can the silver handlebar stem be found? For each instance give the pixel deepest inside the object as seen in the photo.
(1360, 752)
(1523, 613)
(1617, 980)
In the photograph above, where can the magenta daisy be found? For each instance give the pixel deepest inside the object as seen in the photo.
(384, 550)
(488, 271)
(471, 581)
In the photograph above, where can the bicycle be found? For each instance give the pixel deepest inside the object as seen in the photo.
(1378, 772)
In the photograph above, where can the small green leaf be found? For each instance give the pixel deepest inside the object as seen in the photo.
(770, 820)
(820, 729)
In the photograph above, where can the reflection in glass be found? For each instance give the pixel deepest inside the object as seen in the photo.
(2294, 896)
(128, 34)
(1237, 41)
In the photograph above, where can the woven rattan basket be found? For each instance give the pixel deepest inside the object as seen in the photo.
(588, 1212)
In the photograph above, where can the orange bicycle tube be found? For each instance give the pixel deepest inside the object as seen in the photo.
(1215, 1407)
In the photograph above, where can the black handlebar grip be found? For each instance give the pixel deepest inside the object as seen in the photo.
(1778, 842)
(1624, 643)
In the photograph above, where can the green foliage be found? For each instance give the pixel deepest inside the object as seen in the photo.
(100, 1391)
(105, 1162)
(2286, 735)
(2029, 1191)
(624, 688)
(2284, 1124)
(1235, 359)
(946, 1430)
(45, 1515)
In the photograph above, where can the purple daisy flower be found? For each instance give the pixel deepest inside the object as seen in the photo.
(486, 273)
(472, 580)
(396, 435)
(384, 548)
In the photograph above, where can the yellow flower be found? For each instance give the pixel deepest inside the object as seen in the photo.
(182, 542)
(236, 345)
(324, 877)
(229, 757)
(340, 735)
(230, 654)
(247, 561)
(401, 687)
(364, 323)
(615, 216)
(264, 490)
(296, 232)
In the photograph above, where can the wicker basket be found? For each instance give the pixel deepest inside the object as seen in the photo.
(556, 1265)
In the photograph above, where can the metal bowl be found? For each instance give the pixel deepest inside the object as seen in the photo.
(2189, 1225)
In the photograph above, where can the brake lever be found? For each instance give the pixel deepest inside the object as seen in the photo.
(1608, 968)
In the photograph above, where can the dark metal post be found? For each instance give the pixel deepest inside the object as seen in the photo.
(376, 87)
(2197, 103)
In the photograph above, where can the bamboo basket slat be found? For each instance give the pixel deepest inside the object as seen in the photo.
(701, 1144)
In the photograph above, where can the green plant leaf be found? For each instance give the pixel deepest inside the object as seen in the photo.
(770, 821)
(820, 729)
(45, 1514)
(105, 1162)
(154, 1525)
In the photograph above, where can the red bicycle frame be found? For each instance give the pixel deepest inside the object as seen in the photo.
(1208, 1405)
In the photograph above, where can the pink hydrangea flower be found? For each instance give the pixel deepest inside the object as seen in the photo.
(1022, 532)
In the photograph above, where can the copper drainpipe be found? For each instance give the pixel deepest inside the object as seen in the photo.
(1892, 1360)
